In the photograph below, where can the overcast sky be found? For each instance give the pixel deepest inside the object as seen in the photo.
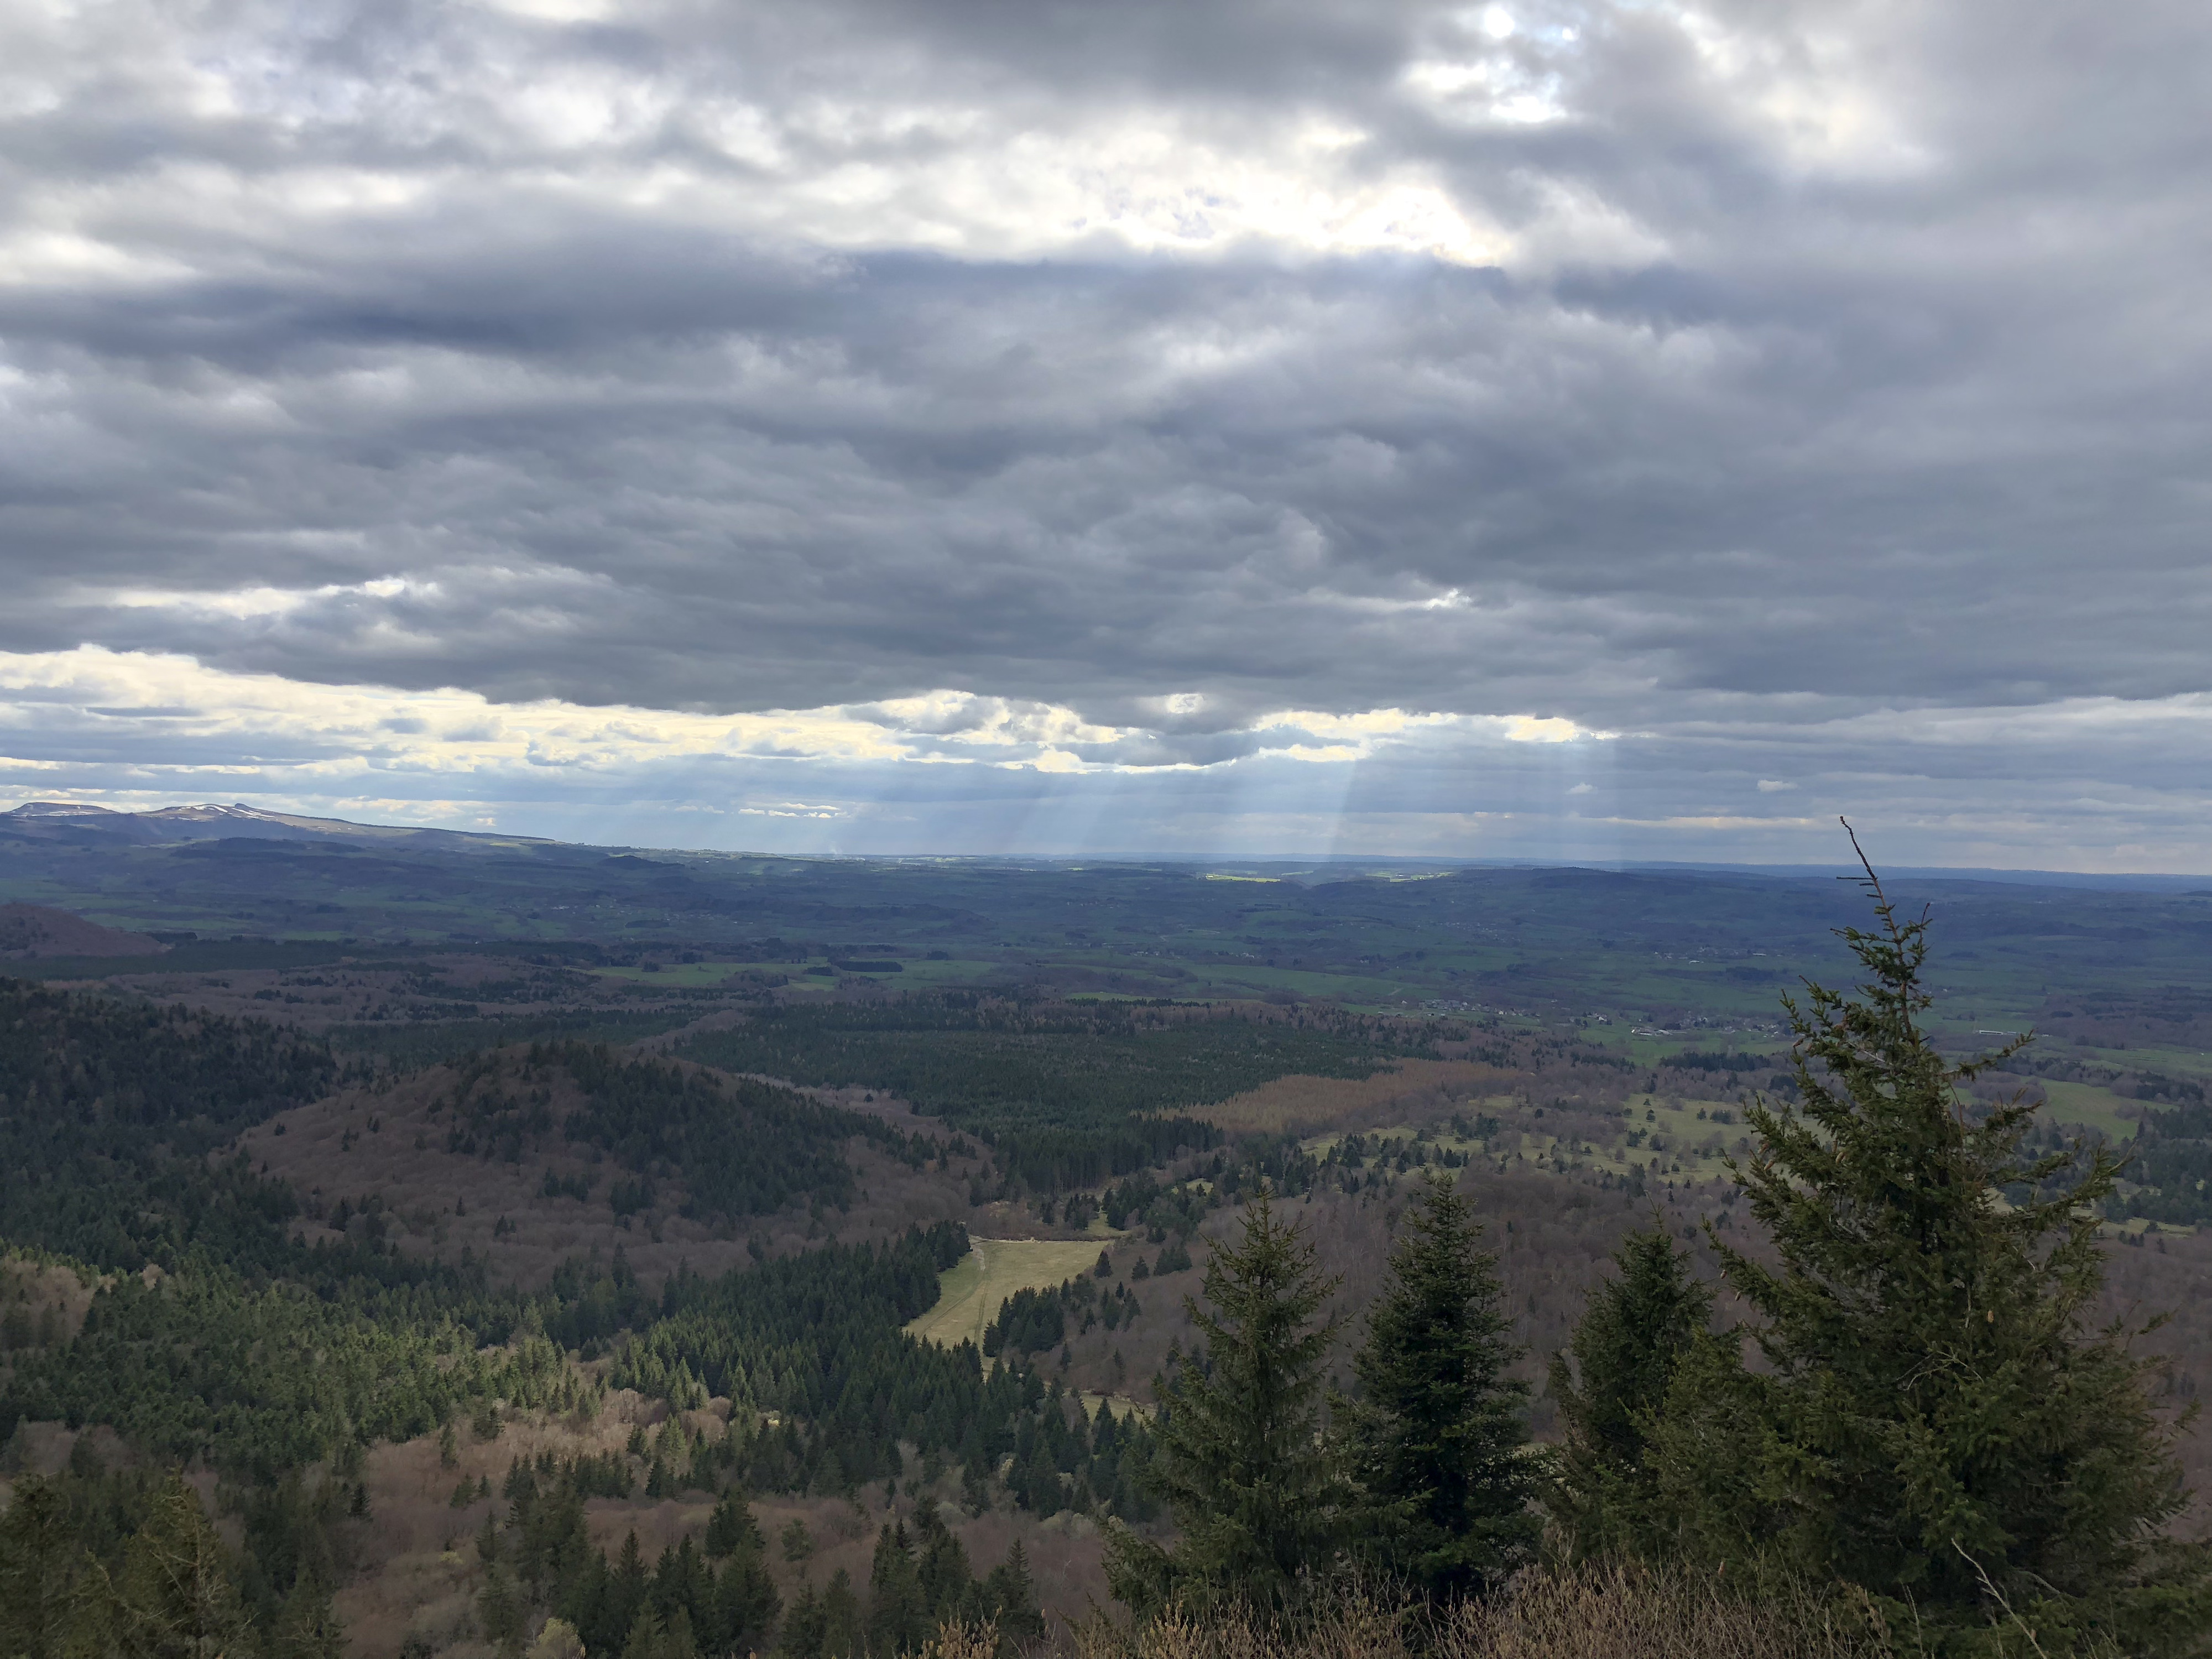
(1166, 426)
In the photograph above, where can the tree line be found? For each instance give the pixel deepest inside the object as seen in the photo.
(1065, 1095)
(715, 1596)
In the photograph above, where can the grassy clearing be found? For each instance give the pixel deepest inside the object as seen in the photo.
(972, 1291)
(2086, 1105)
(1672, 1142)
(1688, 1143)
(1121, 1405)
(920, 974)
(2180, 1062)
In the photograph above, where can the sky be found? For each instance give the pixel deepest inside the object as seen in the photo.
(1193, 427)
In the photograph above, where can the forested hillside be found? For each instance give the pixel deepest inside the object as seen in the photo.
(108, 1112)
(1066, 1096)
(202, 1331)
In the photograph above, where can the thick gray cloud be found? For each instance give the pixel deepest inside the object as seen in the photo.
(1815, 395)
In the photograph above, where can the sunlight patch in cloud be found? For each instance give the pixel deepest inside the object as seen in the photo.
(169, 715)
(245, 602)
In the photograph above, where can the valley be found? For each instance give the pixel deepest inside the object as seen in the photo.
(888, 1218)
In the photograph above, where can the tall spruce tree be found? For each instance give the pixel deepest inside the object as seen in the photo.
(941, 1564)
(843, 1630)
(1637, 1328)
(898, 1608)
(732, 1528)
(1009, 1598)
(1437, 1438)
(1238, 1455)
(175, 1594)
(746, 1603)
(805, 1632)
(42, 1561)
(1937, 1421)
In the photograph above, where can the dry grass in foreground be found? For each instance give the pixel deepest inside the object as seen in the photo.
(1581, 1613)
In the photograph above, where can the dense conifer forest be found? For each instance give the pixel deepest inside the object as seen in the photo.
(212, 1339)
(1065, 1095)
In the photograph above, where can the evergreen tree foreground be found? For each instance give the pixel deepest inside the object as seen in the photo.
(1257, 1498)
(1635, 1331)
(1935, 1419)
(1437, 1439)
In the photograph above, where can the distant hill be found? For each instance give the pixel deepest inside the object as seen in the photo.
(34, 930)
(73, 823)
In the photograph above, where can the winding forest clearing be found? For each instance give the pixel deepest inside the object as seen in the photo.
(973, 1289)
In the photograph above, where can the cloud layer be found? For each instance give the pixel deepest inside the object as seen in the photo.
(1814, 396)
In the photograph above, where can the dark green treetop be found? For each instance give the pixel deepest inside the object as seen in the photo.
(1008, 1598)
(1240, 1460)
(1437, 1438)
(1937, 1420)
(1635, 1331)
(898, 1607)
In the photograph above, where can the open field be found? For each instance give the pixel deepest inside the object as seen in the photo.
(974, 1289)
(1667, 1138)
(2086, 1105)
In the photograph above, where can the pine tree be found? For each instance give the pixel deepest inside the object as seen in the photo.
(500, 1611)
(627, 1586)
(586, 1602)
(40, 1564)
(1239, 1457)
(941, 1564)
(797, 1542)
(804, 1632)
(746, 1605)
(653, 1636)
(1936, 1421)
(176, 1592)
(1009, 1596)
(1636, 1330)
(842, 1634)
(1437, 1438)
(899, 1611)
(975, 1491)
(307, 1625)
(674, 1577)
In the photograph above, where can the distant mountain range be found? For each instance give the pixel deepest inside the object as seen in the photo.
(70, 822)
(38, 930)
(75, 823)
(236, 886)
